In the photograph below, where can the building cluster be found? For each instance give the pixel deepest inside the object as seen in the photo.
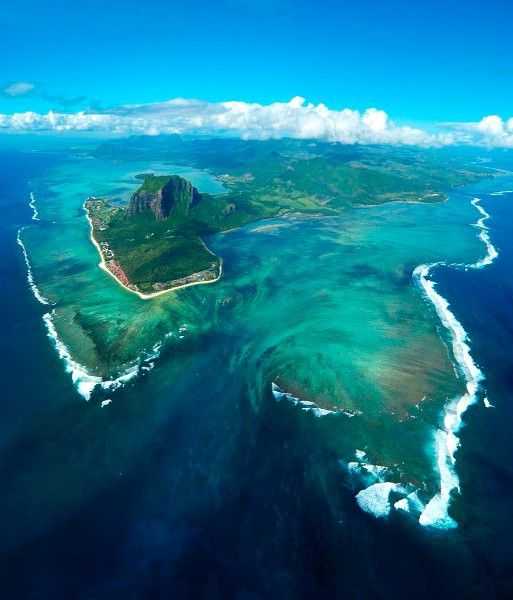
(199, 277)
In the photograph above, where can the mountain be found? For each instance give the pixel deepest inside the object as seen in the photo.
(164, 196)
(157, 242)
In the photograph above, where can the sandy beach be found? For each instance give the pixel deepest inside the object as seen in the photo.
(141, 295)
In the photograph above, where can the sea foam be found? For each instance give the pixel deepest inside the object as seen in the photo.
(446, 442)
(305, 405)
(84, 381)
(32, 204)
(375, 499)
(501, 193)
(491, 251)
(30, 277)
(410, 503)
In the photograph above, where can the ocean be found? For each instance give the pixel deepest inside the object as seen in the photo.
(299, 430)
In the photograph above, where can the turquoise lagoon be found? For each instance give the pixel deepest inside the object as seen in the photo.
(322, 315)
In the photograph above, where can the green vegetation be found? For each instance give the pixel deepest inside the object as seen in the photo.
(152, 254)
(153, 183)
(156, 242)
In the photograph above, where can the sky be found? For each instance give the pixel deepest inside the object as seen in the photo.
(421, 62)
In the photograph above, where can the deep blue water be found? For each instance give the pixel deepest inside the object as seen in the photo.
(166, 500)
(483, 301)
(26, 363)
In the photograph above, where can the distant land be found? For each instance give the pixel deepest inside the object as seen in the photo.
(156, 243)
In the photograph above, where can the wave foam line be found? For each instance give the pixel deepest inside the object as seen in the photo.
(305, 405)
(32, 204)
(375, 498)
(501, 193)
(491, 251)
(435, 513)
(84, 381)
(30, 277)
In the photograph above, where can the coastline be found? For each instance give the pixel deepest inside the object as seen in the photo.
(434, 513)
(142, 295)
(444, 198)
(446, 441)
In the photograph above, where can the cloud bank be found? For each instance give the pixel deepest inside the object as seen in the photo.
(296, 118)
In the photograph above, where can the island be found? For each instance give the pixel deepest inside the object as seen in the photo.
(156, 242)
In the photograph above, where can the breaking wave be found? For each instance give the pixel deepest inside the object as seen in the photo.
(86, 382)
(435, 513)
(501, 193)
(305, 405)
(376, 498)
(30, 277)
(491, 251)
(32, 204)
(380, 496)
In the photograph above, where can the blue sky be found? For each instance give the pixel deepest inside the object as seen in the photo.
(420, 61)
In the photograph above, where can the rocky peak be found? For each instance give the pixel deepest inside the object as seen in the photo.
(164, 196)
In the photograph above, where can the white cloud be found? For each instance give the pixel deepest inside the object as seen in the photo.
(296, 118)
(19, 88)
(496, 131)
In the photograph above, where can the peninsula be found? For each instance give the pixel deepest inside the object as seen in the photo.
(153, 245)
(156, 242)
